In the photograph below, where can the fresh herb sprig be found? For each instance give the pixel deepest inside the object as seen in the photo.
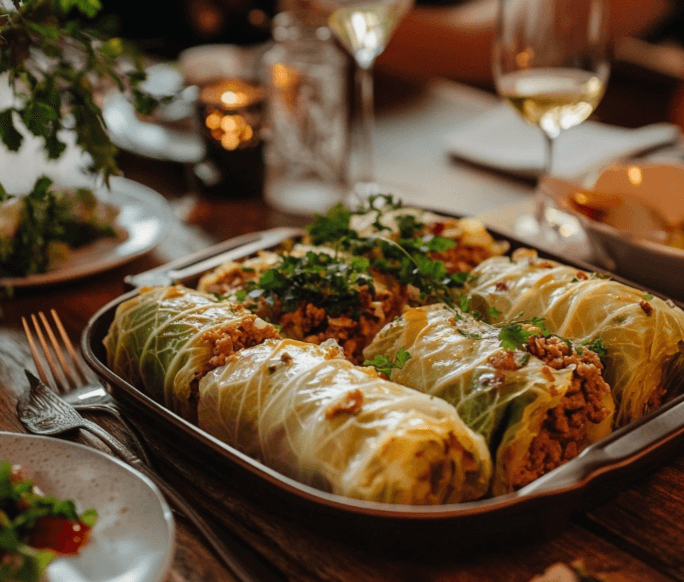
(514, 335)
(384, 364)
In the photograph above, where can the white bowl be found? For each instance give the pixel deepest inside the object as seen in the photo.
(657, 266)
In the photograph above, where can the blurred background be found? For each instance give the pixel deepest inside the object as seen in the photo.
(304, 106)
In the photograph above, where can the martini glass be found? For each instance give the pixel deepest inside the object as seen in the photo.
(551, 64)
(364, 28)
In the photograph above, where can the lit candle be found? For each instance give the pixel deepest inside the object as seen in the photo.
(231, 115)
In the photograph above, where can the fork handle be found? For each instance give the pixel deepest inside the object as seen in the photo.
(257, 569)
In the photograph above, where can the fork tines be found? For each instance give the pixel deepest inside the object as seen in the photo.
(65, 376)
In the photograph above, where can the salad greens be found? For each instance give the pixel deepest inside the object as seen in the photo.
(38, 230)
(21, 507)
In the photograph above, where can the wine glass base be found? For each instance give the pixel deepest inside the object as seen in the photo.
(558, 233)
(303, 198)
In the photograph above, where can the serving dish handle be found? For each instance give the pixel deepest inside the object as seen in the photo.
(187, 268)
(652, 435)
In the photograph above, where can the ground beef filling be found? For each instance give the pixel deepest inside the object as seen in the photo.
(312, 324)
(226, 341)
(232, 337)
(461, 258)
(564, 431)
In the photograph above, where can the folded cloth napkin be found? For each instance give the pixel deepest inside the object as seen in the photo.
(500, 139)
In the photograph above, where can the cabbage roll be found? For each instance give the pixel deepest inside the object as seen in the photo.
(165, 338)
(313, 294)
(384, 216)
(307, 412)
(643, 335)
(536, 407)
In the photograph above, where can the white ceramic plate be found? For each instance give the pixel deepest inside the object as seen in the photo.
(169, 133)
(143, 222)
(133, 539)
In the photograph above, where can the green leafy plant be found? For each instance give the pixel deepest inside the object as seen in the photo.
(53, 55)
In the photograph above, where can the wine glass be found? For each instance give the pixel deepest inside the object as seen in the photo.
(551, 64)
(364, 27)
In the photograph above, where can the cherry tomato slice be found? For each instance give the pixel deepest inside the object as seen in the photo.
(58, 534)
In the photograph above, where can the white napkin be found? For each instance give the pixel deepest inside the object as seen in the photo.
(500, 139)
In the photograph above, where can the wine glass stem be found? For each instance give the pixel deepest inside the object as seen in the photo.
(365, 125)
(540, 209)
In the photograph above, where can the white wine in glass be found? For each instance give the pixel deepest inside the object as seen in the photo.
(364, 28)
(551, 64)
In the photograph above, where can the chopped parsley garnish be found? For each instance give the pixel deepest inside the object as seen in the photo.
(493, 312)
(514, 336)
(327, 281)
(331, 226)
(408, 258)
(384, 365)
(596, 346)
(468, 334)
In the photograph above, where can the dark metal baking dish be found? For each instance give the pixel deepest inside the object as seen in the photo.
(540, 507)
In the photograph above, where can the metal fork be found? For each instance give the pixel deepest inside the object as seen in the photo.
(72, 380)
(44, 412)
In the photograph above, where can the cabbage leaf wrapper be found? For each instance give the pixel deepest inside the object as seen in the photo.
(643, 335)
(534, 413)
(310, 414)
(165, 338)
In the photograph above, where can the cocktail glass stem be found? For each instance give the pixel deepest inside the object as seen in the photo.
(366, 128)
(363, 175)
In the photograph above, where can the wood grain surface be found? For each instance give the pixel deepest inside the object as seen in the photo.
(636, 533)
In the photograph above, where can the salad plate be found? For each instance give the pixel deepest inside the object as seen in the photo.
(143, 220)
(133, 538)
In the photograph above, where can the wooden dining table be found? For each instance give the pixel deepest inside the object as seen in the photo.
(635, 531)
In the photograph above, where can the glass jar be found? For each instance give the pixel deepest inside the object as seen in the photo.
(307, 119)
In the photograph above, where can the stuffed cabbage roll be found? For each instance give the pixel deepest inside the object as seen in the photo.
(643, 335)
(165, 338)
(307, 412)
(537, 407)
(313, 294)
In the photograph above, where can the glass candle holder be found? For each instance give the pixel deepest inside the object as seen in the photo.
(231, 114)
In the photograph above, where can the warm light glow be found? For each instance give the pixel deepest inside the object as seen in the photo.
(634, 175)
(234, 98)
(524, 58)
(213, 120)
(230, 122)
(230, 141)
(581, 198)
(283, 76)
(247, 133)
